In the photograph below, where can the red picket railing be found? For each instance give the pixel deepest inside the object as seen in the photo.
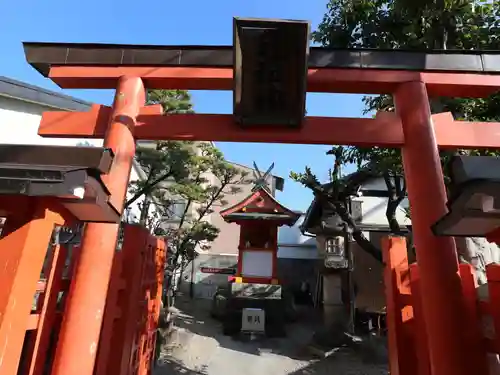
(128, 336)
(407, 332)
(46, 316)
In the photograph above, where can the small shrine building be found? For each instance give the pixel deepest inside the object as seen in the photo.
(259, 217)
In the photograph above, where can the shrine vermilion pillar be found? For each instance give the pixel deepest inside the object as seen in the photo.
(81, 326)
(442, 301)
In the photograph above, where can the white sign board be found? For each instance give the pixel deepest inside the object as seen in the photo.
(253, 320)
(257, 263)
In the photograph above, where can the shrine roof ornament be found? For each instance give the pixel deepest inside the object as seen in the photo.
(261, 180)
(260, 204)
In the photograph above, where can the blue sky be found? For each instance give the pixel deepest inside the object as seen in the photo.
(173, 22)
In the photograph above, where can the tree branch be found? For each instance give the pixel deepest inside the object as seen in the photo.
(392, 203)
(337, 164)
(396, 194)
(344, 214)
(147, 189)
(357, 234)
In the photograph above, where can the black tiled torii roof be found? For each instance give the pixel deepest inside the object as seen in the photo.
(43, 55)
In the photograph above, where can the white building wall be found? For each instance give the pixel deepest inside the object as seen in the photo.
(292, 244)
(19, 121)
(293, 235)
(373, 211)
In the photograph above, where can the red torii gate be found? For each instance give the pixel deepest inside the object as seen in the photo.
(132, 69)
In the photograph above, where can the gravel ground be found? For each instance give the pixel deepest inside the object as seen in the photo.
(197, 347)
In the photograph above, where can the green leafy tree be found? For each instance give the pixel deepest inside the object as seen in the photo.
(410, 25)
(208, 179)
(161, 160)
(172, 101)
(192, 174)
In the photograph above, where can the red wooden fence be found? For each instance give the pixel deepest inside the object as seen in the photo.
(406, 323)
(128, 335)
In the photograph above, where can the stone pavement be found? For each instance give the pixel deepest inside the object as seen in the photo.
(199, 347)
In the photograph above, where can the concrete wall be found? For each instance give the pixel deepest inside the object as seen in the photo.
(297, 257)
(206, 283)
(291, 272)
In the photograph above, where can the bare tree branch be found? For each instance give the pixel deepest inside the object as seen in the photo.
(344, 214)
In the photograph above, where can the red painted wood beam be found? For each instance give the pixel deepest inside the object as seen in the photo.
(354, 81)
(385, 130)
(465, 134)
(91, 124)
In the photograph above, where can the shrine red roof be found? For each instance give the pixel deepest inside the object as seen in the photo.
(260, 205)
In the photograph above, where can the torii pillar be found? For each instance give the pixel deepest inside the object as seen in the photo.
(81, 326)
(436, 256)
